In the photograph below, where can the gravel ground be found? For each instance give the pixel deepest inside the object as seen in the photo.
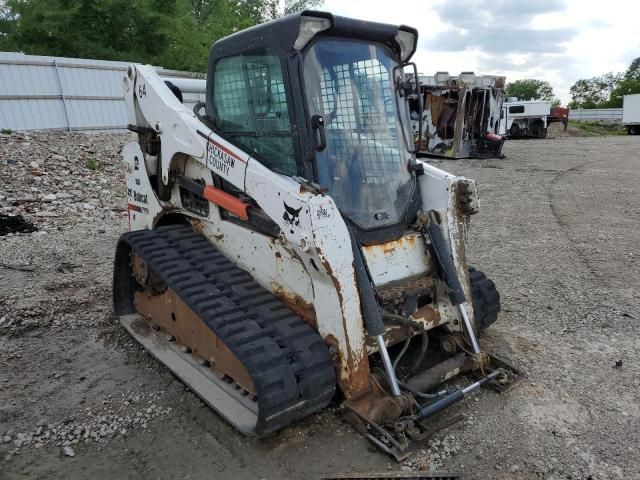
(557, 231)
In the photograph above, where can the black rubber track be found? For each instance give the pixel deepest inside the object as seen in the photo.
(486, 299)
(287, 360)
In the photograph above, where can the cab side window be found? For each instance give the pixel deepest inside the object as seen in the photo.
(251, 107)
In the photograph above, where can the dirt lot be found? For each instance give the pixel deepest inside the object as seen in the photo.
(558, 231)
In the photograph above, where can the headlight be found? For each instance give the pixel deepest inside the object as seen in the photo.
(309, 27)
(407, 41)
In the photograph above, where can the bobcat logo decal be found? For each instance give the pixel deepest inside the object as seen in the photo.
(291, 215)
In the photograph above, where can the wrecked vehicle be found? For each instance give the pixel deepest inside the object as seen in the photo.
(461, 115)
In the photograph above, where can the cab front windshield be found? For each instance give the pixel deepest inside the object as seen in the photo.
(365, 163)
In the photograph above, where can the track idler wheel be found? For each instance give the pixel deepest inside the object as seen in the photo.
(144, 276)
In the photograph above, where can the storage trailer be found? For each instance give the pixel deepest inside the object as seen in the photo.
(631, 113)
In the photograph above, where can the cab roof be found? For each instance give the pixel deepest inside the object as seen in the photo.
(284, 32)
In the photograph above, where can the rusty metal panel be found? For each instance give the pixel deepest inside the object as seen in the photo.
(399, 259)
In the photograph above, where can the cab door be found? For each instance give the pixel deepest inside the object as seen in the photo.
(502, 130)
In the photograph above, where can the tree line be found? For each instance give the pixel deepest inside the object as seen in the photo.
(604, 91)
(175, 34)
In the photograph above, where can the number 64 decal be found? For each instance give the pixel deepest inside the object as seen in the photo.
(142, 90)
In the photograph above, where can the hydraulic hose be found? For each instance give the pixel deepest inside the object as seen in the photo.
(391, 317)
(439, 405)
(423, 350)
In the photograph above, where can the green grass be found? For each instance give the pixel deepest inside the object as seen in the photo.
(599, 128)
(92, 164)
(6, 131)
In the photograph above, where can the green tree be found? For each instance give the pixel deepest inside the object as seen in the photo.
(530, 89)
(7, 20)
(593, 92)
(634, 70)
(606, 91)
(293, 6)
(628, 85)
(104, 29)
(172, 33)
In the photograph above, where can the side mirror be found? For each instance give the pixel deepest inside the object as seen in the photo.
(409, 88)
(200, 111)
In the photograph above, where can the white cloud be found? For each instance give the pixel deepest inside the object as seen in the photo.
(554, 40)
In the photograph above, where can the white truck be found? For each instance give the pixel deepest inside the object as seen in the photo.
(631, 113)
(524, 118)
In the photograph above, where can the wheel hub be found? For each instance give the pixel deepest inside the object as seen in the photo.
(139, 269)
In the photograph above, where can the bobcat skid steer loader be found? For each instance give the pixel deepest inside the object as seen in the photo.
(287, 248)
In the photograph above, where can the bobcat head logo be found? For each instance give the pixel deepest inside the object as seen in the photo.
(291, 215)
